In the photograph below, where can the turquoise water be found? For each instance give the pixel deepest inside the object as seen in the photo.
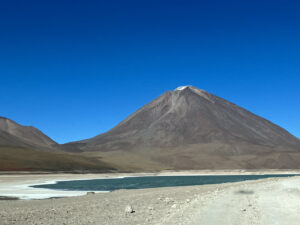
(149, 182)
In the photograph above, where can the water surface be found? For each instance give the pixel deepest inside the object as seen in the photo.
(112, 184)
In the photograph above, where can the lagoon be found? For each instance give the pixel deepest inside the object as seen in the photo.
(111, 184)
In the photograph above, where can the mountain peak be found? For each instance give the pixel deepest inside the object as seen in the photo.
(180, 88)
(8, 124)
(26, 135)
(190, 87)
(5, 123)
(197, 91)
(189, 128)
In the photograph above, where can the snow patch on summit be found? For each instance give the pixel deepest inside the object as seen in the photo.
(197, 91)
(180, 88)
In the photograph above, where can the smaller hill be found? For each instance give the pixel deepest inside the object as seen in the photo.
(14, 134)
(25, 148)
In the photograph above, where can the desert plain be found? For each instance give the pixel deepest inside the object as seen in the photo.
(265, 202)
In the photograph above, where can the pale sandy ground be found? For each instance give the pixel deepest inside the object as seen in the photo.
(268, 201)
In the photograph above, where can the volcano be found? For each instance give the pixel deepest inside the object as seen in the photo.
(189, 128)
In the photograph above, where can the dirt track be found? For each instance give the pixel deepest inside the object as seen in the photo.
(272, 202)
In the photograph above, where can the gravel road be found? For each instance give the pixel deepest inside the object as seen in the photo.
(267, 202)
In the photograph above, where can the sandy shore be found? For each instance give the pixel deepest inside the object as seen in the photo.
(267, 201)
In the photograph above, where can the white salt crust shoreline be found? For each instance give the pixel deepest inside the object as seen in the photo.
(24, 190)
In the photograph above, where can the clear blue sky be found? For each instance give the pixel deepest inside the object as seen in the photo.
(75, 69)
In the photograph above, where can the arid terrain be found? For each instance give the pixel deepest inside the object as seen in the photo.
(184, 129)
(187, 131)
(262, 202)
(189, 128)
(25, 148)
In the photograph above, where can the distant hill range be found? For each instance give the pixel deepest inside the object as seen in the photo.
(25, 148)
(13, 134)
(187, 128)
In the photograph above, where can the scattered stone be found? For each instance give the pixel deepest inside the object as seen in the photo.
(168, 200)
(174, 206)
(129, 209)
(244, 210)
(188, 201)
(150, 208)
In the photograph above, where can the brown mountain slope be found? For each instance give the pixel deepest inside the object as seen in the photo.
(192, 129)
(14, 134)
(25, 148)
(13, 158)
